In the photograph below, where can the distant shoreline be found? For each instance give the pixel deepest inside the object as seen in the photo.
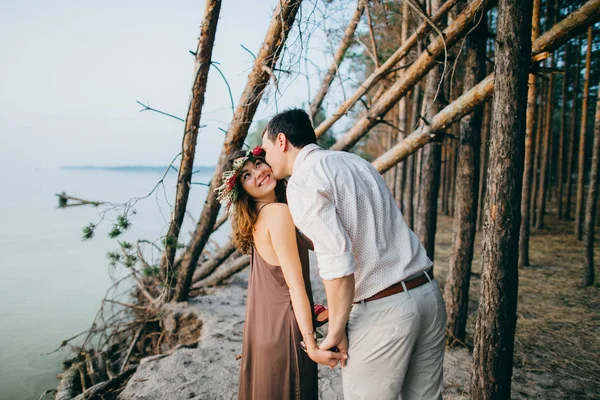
(134, 168)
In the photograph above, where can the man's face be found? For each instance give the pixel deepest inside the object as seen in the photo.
(275, 154)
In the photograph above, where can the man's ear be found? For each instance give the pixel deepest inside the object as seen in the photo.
(281, 141)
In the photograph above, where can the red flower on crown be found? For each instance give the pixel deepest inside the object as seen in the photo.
(231, 182)
(258, 152)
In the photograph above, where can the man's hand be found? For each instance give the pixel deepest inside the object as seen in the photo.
(340, 342)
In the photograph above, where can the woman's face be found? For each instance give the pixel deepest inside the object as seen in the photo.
(257, 180)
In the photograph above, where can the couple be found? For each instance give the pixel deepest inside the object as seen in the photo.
(386, 313)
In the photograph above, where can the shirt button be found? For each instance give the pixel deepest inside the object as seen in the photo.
(396, 327)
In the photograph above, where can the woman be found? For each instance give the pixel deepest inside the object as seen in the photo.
(279, 306)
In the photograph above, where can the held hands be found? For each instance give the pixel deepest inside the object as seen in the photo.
(338, 342)
(326, 356)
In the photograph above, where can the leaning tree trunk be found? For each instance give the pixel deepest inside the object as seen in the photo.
(209, 266)
(190, 135)
(562, 142)
(496, 317)
(401, 169)
(545, 156)
(411, 177)
(580, 19)
(545, 153)
(582, 132)
(418, 69)
(572, 137)
(346, 41)
(456, 289)
(590, 211)
(264, 68)
(432, 157)
(537, 151)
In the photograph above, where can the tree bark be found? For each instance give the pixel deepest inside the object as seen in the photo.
(485, 135)
(582, 132)
(452, 199)
(456, 289)
(264, 66)
(496, 318)
(419, 68)
(563, 144)
(432, 157)
(444, 177)
(346, 41)
(590, 211)
(383, 70)
(572, 137)
(190, 135)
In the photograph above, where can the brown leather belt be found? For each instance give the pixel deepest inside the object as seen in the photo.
(398, 288)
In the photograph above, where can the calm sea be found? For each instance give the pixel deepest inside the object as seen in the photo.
(51, 282)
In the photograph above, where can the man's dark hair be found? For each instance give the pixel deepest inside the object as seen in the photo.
(295, 125)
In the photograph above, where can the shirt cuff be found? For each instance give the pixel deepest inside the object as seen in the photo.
(336, 266)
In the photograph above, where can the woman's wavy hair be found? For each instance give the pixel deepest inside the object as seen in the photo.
(245, 213)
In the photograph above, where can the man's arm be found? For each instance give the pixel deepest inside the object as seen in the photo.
(340, 293)
(316, 216)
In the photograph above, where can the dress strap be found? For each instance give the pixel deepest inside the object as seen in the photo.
(263, 206)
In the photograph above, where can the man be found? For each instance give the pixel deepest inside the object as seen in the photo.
(385, 309)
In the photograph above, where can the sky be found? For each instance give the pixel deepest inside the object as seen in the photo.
(73, 70)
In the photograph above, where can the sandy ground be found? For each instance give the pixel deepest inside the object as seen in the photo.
(557, 345)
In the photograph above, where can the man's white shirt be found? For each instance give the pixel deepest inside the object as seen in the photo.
(340, 201)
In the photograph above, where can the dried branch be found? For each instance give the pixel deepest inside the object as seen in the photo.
(315, 105)
(148, 108)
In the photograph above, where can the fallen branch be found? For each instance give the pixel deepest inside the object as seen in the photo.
(63, 200)
(103, 387)
(225, 273)
(210, 265)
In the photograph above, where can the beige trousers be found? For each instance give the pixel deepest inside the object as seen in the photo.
(396, 347)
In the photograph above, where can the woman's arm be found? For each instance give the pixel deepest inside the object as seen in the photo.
(283, 238)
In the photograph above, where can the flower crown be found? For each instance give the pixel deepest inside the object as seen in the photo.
(228, 191)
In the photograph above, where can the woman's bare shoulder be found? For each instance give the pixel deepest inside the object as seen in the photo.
(276, 215)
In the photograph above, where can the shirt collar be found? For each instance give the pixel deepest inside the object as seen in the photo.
(306, 150)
